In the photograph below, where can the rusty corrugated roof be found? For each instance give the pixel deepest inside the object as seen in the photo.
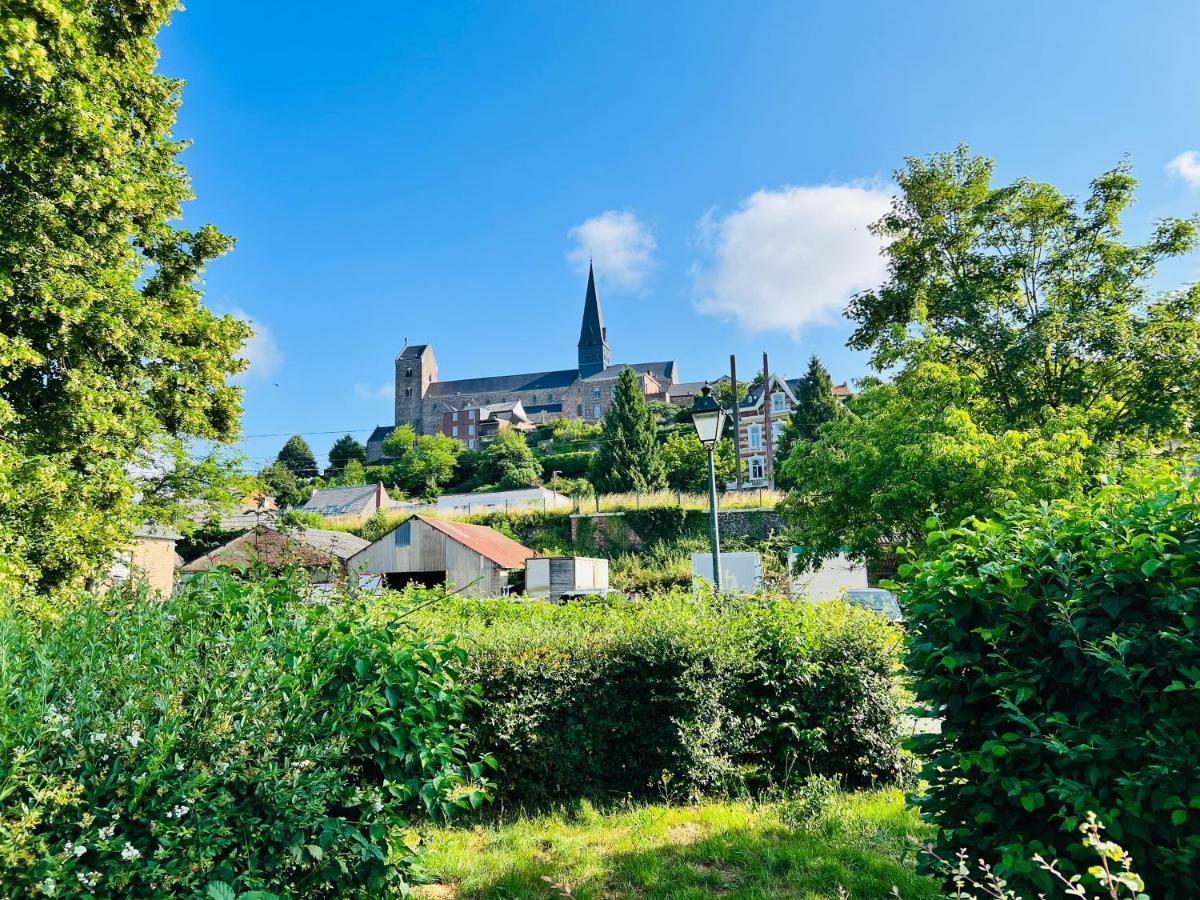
(487, 542)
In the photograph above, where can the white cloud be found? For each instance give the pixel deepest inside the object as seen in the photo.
(260, 351)
(622, 247)
(1186, 166)
(385, 391)
(791, 257)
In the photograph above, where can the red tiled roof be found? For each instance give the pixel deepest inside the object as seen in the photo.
(499, 548)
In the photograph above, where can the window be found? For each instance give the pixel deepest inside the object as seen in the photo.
(471, 430)
(595, 393)
(597, 413)
(777, 402)
(471, 415)
(408, 372)
(404, 535)
(454, 429)
(454, 417)
(757, 469)
(408, 392)
(579, 410)
(754, 436)
(777, 431)
(613, 392)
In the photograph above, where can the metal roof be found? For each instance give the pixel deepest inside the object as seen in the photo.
(487, 542)
(532, 381)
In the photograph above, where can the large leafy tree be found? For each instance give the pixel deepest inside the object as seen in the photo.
(345, 449)
(297, 457)
(629, 458)
(508, 462)
(426, 468)
(109, 362)
(1030, 355)
(1038, 297)
(686, 461)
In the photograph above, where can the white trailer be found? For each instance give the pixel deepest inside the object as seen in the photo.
(550, 577)
(741, 573)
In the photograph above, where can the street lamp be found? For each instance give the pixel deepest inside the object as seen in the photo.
(709, 419)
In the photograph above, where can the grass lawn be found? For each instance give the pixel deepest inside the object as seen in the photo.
(730, 849)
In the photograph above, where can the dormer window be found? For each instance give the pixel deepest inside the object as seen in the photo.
(777, 402)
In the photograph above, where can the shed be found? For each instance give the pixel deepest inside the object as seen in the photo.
(324, 553)
(423, 550)
(549, 577)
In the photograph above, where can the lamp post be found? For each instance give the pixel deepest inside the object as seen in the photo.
(709, 419)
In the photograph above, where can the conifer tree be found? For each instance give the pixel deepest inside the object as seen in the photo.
(629, 458)
(297, 457)
(815, 405)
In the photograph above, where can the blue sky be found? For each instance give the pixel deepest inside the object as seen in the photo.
(441, 171)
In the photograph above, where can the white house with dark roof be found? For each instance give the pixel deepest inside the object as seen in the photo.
(422, 397)
(351, 502)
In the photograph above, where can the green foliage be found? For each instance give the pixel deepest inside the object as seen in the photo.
(572, 487)
(107, 355)
(1038, 298)
(402, 439)
(344, 450)
(568, 431)
(299, 518)
(629, 458)
(686, 462)
(237, 733)
(570, 464)
(281, 484)
(815, 406)
(599, 699)
(508, 462)
(297, 457)
(353, 474)
(1059, 644)
(916, 444)
(425, 469)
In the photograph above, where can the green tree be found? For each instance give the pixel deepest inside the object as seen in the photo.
(297, 457)
(353, 474)
(108, 358)
(1030, 355)
(629, 458)
(508, 462)
(686, 461)
(402, 439)
(1039, 298)
(345, 449)
(429, 466)
(281, 484)
(815, 406)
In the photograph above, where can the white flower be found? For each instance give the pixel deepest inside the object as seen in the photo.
(135, 738)
(179, 812)
(98, 737)
(179, 766)
(80, 849)
(89, 880)
(107, 831)
(130, 852)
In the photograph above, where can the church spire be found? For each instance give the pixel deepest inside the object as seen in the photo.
(593, 336)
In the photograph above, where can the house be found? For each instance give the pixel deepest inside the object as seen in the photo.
(763, 411)
(323, 553)
(350, 502)
(533, 498)
(151, 559)
(477, 425)
(683, 393)
(589, 398)
(474, 559)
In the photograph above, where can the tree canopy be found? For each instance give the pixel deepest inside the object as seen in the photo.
(109, 362)
(629, 458)
(815, 406)
(297, 457)
(1029, 357)
(508, 462)
(345, 449)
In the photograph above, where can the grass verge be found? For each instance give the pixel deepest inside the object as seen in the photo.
(730, 849)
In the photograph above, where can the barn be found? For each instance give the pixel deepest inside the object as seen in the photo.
(473, 559)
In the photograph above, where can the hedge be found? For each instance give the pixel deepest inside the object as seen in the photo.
(617, 698)
(570, 464)
(236, 739)
(1060, 645)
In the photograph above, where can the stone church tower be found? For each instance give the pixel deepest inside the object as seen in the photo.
(593, 336)
(416, 370)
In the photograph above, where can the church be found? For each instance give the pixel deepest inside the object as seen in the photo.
(584, 391)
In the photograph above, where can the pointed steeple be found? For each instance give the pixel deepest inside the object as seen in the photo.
(593, 336)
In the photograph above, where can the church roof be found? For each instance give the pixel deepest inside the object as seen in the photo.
(591, 332)
(663, 371)
(532, 381)
(412, 351)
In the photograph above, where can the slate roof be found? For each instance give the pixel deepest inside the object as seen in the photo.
(540, 408)
(664, 371)
(380, 432)
(412, 351)
(591, 331)
(499, 384)
(345, 501)
(309, 547)
(487, 542)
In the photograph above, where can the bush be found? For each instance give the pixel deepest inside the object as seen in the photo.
(1059, 643)
(600, 699)
(235, 736)
(571, 464)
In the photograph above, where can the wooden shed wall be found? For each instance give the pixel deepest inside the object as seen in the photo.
(415, 546)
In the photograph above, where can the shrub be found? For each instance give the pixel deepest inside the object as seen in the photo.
(235, 736)
(570, 464)
(1059, 643)
(600, 699)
